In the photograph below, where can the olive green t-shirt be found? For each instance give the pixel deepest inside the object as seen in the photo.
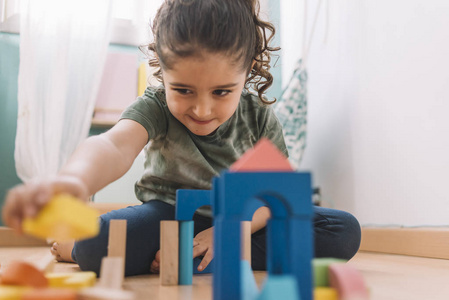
(175, 158)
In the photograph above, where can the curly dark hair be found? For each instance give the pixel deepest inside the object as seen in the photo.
(183, 28)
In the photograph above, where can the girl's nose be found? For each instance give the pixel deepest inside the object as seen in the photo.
(202, 109)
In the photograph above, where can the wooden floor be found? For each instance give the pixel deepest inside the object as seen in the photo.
(389, 277)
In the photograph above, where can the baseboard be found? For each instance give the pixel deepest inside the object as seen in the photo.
(8, 238)
(424, 242)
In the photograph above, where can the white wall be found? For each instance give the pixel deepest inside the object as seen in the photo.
(378, 139)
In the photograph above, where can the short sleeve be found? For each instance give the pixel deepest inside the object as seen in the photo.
(272, 130)
(150, 111)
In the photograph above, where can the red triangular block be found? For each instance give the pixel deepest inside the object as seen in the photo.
(264, 157)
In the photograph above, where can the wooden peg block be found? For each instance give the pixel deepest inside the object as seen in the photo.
(117, 239)
(112, 272)
(246, 241)
(169, 248)
(44, 264)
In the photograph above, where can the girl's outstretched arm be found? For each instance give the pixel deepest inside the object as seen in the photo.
(98, 161)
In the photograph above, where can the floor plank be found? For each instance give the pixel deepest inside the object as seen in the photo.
(389, 277)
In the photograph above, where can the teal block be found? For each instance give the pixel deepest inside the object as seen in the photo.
(280, 287)
(321, 270)
(185, 252)
(250, 291)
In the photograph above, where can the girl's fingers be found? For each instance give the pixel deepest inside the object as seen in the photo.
(206, 260)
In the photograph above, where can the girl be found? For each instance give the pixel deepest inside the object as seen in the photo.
(201, 120)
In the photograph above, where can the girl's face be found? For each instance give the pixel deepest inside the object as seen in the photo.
(203, 93)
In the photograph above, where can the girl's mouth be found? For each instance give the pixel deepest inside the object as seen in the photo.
(201, 122)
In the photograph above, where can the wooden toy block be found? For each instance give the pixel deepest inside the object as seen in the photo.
(44, 264)
(348, 282)
(185, 252)
(49, 294)
(169, 248)
(321, 270)
(112, 272)
(325, 293)
(64, 218)
(117, 239)
(279, 287)
(76, 280)
(246, 241)
(101, 293)
(24, 274)
(9, 292)
(263, 157)
(289, 198)
(249, 285)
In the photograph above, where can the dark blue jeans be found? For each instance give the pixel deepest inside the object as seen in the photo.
(337, 234)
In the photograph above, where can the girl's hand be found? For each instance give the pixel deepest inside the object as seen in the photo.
(203, 244)
(26, 200)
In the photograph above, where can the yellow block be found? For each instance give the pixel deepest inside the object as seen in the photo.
(10, 292)
(64, 218)
(142, 79)
(78, 280)
(325, 293)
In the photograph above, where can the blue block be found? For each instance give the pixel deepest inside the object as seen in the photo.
(188, 201)
(250, 291)
(280, 287)
(227, 251)
(290, 235)
(185, 252)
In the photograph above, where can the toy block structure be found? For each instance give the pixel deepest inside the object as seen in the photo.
(64, 218)
(251, 182)
(169, 248)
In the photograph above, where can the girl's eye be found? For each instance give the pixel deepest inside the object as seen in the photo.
(183, 91)
(221, 92)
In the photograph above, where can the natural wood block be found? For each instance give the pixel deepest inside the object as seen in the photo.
(117, 239)
(246, 241)
(169, 248)
(112, 272)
